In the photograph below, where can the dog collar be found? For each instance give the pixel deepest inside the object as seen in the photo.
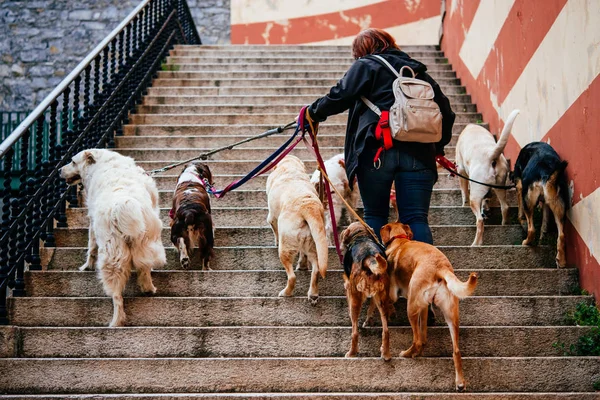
(402, 236)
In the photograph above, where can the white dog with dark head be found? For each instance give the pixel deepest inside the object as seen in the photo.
(480, 158)
(336, 170)
(125, 228)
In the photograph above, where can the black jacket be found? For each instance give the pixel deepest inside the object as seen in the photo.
(370, 78)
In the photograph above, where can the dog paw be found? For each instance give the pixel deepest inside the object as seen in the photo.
(526, 242)
(313, 299)
(284, 293)
(85, 267)
(386, 356)
(185, 262)
(368, 322)
(460, 387)
(560, 263)
(350, 354)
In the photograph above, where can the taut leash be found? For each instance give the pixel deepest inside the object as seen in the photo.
(451, 167)
(204, 156)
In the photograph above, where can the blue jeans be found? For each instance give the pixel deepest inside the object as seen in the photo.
(414, 185)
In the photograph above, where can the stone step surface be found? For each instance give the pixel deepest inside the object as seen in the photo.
(241, 97)
(443, 235)
(297, 47)
(149, 342)
(283, 74)
(275, 311)
(281, 375)
(190, 64)
(226, 53)
(334, 59)
(244, 283)
(256, 216)
(234, 131)
(266, 258)
(457, 93)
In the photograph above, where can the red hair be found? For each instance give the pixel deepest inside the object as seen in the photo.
(372, 41)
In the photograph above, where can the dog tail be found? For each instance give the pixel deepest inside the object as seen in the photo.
(313, 215)
(503, 140)
(561, 184)
(128, 218)
(377, 264)
(458, 288)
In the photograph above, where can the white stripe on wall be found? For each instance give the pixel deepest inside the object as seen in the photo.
(479, 41)
(251, 11)
(585, 216)
(563, 66)
(419, 33)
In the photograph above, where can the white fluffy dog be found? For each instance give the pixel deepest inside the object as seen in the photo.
(297, 219)
(125, 228)
(479, 157)
(336, 170)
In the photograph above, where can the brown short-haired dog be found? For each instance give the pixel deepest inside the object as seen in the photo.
(191, 222)
(423, 275)
(365, 276)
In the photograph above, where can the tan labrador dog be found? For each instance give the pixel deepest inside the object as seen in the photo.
(297, 218)
(423, 275)
(479, 157)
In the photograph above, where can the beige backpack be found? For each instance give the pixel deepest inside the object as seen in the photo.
(414, 116)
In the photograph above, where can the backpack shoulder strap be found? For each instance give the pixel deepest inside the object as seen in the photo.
(384, 61)
(372, 106)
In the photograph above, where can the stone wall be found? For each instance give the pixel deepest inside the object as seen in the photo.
(42, 41)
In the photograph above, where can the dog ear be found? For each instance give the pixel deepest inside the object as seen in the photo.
(408, 231)
(342, 163)
(88, 157)
(385, 233)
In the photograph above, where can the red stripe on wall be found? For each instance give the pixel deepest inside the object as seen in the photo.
(576, 138)
(579, 255)
(329, 26)
(523, 31)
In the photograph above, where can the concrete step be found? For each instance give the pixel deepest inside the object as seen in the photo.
(150, 342)
(232, 133)
(317, 91)
(345, 59)
(266, 53)
(258, 109)
(244, 283)
(154, 154)
(155, 375)
(274, 311)
(168, 182)
(266, 258)
(316, 395)
(446, 84)
(443, 235)
(256, 216)
(240, 97)
(288, 73)
(258, 198)
(190, 64)
(296, 47)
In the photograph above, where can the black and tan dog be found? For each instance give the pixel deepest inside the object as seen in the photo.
(365, 276)
(191, 222)
(540, 179)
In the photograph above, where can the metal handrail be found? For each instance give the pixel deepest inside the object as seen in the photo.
(86, 110)
(43, 106)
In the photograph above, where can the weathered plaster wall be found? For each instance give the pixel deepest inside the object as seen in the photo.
(42, 41)
(333, 21)
(544, 59)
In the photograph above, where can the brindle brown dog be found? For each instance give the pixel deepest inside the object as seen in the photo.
(191, 222)
(366, 276)
(423, 275)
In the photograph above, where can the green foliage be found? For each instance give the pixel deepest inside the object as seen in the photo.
(597, 385)
(589, 343)
(169, 67)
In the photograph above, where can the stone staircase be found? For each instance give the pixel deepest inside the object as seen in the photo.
(224, 333)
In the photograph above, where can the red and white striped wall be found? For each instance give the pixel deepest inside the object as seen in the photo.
(411, 22)
(542, 57)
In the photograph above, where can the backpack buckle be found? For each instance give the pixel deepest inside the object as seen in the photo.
(384, 123)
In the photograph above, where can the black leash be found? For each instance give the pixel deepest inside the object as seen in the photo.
(204, 156)
(452, 173)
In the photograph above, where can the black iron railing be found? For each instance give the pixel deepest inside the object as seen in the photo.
(87, 109)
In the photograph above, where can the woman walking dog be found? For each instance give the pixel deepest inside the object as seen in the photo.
(410, 165)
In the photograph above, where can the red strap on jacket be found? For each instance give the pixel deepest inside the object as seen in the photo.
(384, 133)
